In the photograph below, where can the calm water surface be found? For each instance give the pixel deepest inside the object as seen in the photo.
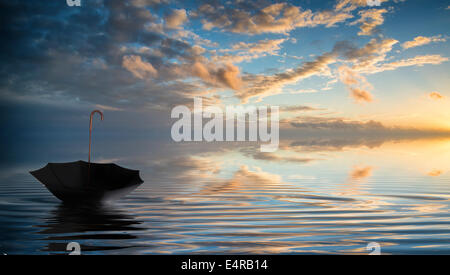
(311, 196)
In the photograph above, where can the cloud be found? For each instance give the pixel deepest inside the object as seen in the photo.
(359, 173)
(360, 95)
(274, 157)
(303, 91)
(138, 54)
(370, 54)
(422, 40)
(108, 108)
(364, 59)
(197, 39)
(333, 143)
(356, 83)
(242, 51)
(125, 22)
(298, 108)
(176, 19)
(325, 123)
(261, 85)
(274, 18)
(119, 53)
(262, 46)
(227, 76)
(371, 58)
(415, 61)
(144, 3)
(197, 50)
(436, 96)
(138, 67)
(370, 19)
(350, 5)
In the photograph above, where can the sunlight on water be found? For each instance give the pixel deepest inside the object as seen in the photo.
(311, 196)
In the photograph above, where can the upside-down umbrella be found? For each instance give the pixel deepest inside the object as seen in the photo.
(85, 181)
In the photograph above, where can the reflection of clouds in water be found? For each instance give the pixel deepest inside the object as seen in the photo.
(360, 173)
(90, 225)
(231, 198)
(246, 182)
(435, 173)
(301, 177)
(188, 170)
(355, 186)
(242, 181)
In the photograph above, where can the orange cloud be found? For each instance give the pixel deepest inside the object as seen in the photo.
(436, 96)
(227, 76)
(176, 19)
(360, 95)
(369, 20)
(350, 5)
(422, 40)
(356, 83)
(138, 67)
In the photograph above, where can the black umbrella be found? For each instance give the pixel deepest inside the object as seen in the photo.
(86, 181)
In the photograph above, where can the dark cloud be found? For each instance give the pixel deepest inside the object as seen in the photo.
(105, 52)
(136, 54)
(335, 123)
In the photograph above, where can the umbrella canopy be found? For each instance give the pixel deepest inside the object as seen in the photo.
(83, 181)
(86, 181)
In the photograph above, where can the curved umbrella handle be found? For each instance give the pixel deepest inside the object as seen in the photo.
(90, 130)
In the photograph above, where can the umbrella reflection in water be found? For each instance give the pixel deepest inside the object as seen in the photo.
(89, 225)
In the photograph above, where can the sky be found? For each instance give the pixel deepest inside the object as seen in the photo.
(329, 65)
